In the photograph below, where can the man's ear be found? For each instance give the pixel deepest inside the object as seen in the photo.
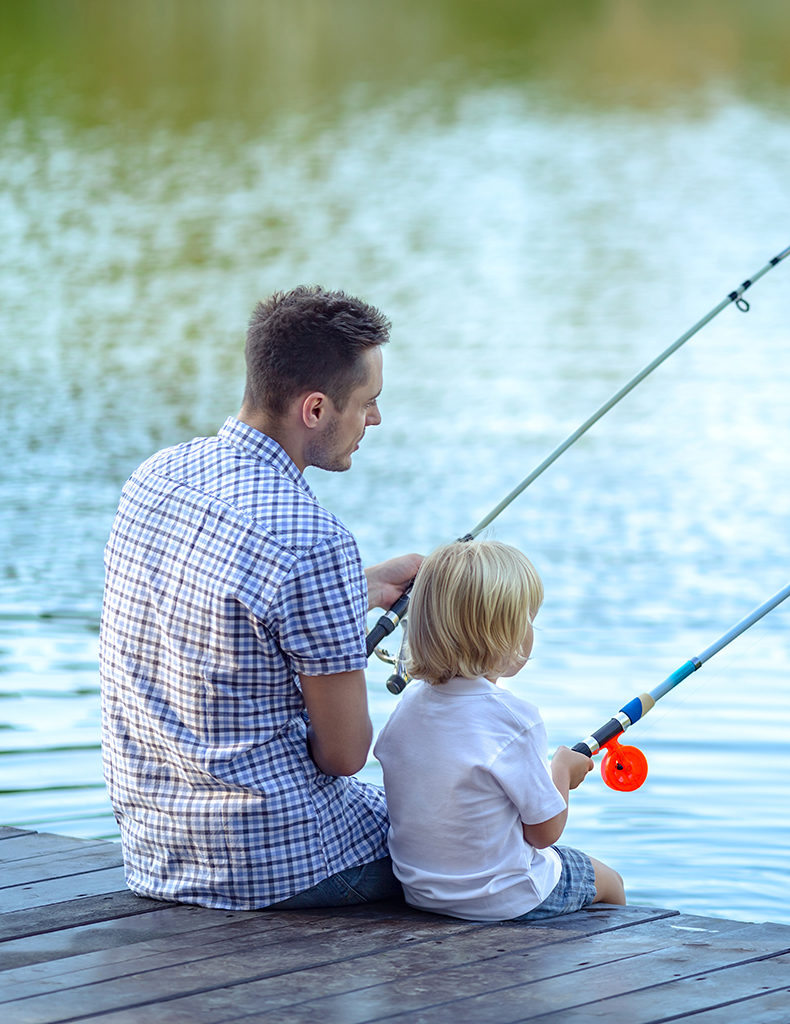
(314, 408)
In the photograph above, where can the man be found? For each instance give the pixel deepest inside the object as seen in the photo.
(233, 636)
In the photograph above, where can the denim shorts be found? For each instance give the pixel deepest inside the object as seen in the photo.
(365, 883)
(574, 890)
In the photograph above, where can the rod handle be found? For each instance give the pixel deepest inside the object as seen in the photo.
(388, 621)
(599, 738)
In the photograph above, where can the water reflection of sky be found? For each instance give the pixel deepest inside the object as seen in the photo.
(534, 251)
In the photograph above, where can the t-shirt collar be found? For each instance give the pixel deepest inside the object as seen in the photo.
(466, 687)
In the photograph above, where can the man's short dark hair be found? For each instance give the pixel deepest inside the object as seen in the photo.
(309, 339)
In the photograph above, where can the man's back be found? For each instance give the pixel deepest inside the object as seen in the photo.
(225, 578)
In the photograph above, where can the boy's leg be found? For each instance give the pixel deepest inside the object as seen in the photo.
(365, 883)
(583, 880)
(575, 889)
(609, 886)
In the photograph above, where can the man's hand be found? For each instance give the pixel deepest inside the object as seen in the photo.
(387, 580)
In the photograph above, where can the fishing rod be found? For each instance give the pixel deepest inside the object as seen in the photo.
(387, 623)
(625, 767)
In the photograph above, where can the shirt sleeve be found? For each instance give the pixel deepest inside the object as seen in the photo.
(522, 770)
(319, 614)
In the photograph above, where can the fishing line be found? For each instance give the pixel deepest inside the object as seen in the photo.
(387, 623)
(695, 686)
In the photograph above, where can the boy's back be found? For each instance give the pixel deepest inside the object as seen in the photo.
(465, 763)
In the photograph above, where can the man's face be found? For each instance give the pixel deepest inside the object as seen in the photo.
(340, 435)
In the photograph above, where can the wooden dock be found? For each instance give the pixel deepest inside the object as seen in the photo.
(76, 945)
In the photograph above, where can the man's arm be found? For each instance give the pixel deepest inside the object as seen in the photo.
(340, 730)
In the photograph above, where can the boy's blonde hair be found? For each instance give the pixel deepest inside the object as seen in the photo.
(472, 605)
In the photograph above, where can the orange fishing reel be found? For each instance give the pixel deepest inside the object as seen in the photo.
(623, 767)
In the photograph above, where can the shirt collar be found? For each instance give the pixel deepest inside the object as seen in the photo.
(241, 435)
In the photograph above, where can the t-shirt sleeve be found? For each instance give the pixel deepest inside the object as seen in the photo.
(319, 613)
(522, 770)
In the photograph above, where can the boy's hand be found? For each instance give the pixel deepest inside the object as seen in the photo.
(570, 768)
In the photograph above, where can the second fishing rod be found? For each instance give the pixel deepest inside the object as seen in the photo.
(387, 622)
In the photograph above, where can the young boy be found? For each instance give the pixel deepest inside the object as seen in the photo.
(474, 806)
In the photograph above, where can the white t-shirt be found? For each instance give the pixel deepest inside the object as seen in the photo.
(465, 763)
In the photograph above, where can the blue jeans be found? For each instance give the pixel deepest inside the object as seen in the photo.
(366, 883)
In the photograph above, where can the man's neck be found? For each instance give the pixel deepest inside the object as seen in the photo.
(277, 430)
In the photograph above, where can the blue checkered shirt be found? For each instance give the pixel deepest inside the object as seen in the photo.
(224, 579)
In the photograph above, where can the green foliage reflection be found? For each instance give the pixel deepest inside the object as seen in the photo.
(187, 60)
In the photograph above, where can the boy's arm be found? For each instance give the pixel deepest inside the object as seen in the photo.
(546, 833)
(568, 770)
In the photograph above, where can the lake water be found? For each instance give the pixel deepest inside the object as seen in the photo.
(534, 247)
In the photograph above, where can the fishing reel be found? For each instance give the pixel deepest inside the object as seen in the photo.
(400, 678)
(623, 768)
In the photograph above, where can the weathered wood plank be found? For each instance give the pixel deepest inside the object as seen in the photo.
(190, 945)
(409, 941)
(73, 913)
(117, 933)
(59, 890)
(76, 944)
(766, 1008)
(379, 926)
(60, 865)
(598, 965)
(244, 944)
(729, 991)
(23, 845)
(343, 984)
(631, 990)
(9, 832)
